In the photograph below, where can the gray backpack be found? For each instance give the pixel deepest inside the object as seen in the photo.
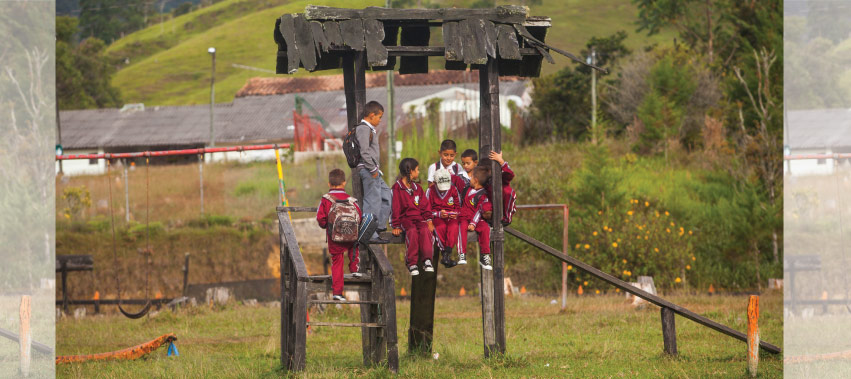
(343, 220)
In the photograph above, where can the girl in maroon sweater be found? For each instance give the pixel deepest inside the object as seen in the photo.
(411, 213)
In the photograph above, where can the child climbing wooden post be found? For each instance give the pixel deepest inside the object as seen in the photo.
(753, 334)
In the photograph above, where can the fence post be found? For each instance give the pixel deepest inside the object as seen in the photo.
(26, 336)
(564, 247)
(126, 195)
(185, 273)
(201, 179)
(669, 331)
(753, 334)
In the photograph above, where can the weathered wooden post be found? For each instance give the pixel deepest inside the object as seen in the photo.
(26, 336)
(185, 273)
(669, 331)
(753, 334)
(493, 294)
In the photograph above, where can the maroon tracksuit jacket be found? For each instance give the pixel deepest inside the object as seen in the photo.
(411, 212)
(445, 229)
(336, 249)
(471, 214)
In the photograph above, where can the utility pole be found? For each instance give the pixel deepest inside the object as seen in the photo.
(391, 118)
(593, 60)
(212, 52)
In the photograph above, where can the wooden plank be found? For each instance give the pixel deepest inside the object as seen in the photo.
(75, 262)
(490, 37)
(391, 39)
(288, 32)
(300, 317)
(347, 302)
(414, 35)
(452, 42)
(333, 34)
(473, 41)
(638, 292)
(389, 315)
(288, 236)
(319, 41)
(378, 347)
(669, 331)
(304, 42)
(421, 327)
(38, 346)
(286, 272)
(497, 236)
(376, 53)
(503, 14)
(347, 324)
(368, 336)
(509, 48)
(352, 31)
(423, 51)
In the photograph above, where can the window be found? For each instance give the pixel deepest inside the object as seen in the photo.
(93, 161)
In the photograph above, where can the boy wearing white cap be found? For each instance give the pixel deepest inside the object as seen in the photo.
(446, 205)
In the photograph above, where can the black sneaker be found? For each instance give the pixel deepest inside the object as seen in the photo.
(338, 298)
(445, 259)
(427, 267)
(485, 261)
(414, 271)
(462, 258)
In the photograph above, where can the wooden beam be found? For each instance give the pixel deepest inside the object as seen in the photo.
(656, 300)
(333, 34)
(288, 32)
(352, 31)
(320, 42)
(376, 53)
(304, 42)
(424, 51)
(423, 292)
(509, 48)
(669, 331)
(504, 14)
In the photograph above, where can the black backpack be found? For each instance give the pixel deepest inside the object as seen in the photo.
(351, 147)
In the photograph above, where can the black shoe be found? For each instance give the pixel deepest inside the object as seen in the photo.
(413, 270)
(445, 260)
(485, 261)
(505, 223)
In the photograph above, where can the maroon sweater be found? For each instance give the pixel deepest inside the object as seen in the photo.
(507, 176)
(409, 204)
(449, 201)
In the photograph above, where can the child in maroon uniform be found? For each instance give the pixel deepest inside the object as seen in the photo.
(337, 182)
(475, 210)
(445, 205)
(411, 213)
(460, 178)
(509, 197)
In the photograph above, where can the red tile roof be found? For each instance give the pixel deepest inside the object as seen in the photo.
(285, 84)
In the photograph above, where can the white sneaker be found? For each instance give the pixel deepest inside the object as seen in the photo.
(427, 267)
(338, 298)
(414, 271)
(485, 262)
(357, 274)
(462, 258)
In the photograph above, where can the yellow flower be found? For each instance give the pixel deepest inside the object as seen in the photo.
(667, 214)
(678, 279)
(656, 249)
(67, 216)
(605, 227)
(629, 213)
(587, 246)
(594, 234)
(569, 267)
(672, 223)
(645, 238)
(693, 258)
(646, 203)
(638, 237)
(657, 214)
(619, 239)
(614, 244)
(668, 230)
(624, 261)
(688, 267)
(585, 283)
(628, 273)
(624, 272)
(577, 245)
(689, 232)
(597, 292)
(611, 230)
(617, 290)
(599, 212)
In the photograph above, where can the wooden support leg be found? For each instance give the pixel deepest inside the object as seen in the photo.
(26, 337)
(389, 314)
(493, 294)
(669, 331)
(300, 317)
(423, 291)
(369, 336)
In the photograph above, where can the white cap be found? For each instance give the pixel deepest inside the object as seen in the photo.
(443, 179)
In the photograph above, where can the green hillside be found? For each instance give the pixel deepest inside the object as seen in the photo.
(169, 64)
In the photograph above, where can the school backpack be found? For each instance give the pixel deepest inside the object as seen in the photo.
(351, 147)
(343, 220)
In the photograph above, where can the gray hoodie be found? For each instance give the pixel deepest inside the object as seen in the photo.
(368, 150)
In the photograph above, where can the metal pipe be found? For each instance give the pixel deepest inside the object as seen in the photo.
(163, 153)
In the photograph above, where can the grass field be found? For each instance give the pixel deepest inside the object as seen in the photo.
(169, 63)
(595, 337)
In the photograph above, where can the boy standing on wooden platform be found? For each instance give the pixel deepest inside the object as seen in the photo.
(377, 196)
(340, 215)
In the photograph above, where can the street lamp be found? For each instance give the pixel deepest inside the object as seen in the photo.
(212, 51)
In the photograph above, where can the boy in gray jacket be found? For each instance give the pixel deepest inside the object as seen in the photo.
(376, 195)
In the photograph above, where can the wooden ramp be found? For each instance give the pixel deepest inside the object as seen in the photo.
(668, 308)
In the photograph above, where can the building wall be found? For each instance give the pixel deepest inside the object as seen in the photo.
(804, 167)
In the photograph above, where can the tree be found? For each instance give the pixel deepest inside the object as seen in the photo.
(182, 9)
(564, 98)
(83, 72)
(109, 20)
(700, 22)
